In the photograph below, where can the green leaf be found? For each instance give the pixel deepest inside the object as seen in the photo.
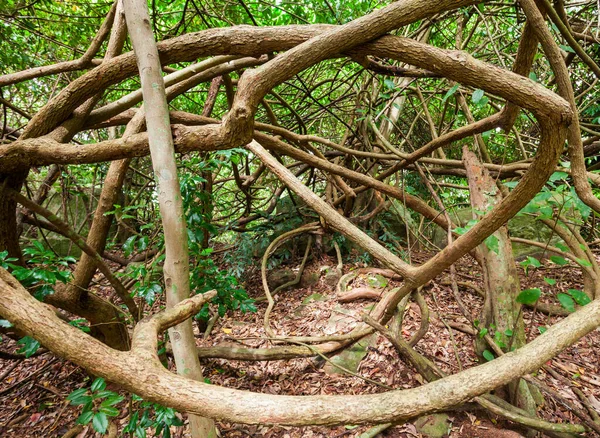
(450, 92)
(562, 247)
(534, 262)
(579, 296)
(567, 302)
(29, 346)
(81, 400)
(567, 48)
(100, 422)
(508, 332)
(143, 243)
(558, 176)
(493, 244)
(85, 417)
(112, 400)
(105, 393)
(389, 84)
(109, 411)
(488, 355)
(98, 385)
(559, 260)
(477, 95)
(550, 281)
(498, 340)
(584, 262)
(140, 432)
(77, 394)
(529, 296)
(377, 281)
(483, 332)
(128, 246)
(542, 329)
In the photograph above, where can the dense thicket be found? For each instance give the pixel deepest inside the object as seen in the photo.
(366, 131)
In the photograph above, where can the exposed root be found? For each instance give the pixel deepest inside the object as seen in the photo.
(271, 248)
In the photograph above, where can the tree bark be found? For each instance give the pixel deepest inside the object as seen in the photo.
(176, 267)
(501, 309)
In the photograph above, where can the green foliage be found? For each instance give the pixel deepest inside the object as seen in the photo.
(593, 112)
(39, 276)
(529, 296)
(450, 92)
(147, 285)
(81, 324)
(478, 97)
(151, 415)
(557, 197)
(28, 346)
(98, 404)
(393, 224)
(488, 355)
(135, 243)
(254, 242)
(566, 301)
(583, 262)
(205, 274)
(377, 281)
(466, 228)
(491, 242)
(579, 296)
(42, 270)
(573, 296)
(530, 262)
(230, 295)
(559, 260)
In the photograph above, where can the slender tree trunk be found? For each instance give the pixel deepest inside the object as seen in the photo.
(9, 238)
(86, 268)
(176, 268)
(501, 309)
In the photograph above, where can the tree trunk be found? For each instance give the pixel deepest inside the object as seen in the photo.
(9, 238)
(501, 312)
(176, 267)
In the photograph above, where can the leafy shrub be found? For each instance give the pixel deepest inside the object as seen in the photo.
(98, 404)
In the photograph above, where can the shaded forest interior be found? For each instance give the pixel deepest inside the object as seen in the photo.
(294, 219)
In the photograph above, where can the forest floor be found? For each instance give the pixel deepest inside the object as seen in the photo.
(33, 392)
